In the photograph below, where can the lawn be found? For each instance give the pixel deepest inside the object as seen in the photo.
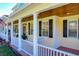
(6, 51)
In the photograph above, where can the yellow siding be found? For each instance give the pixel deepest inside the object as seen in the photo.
(68, 42)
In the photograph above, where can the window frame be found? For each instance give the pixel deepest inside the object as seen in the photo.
(25, 25)
(68, 29)
(31, 32)
(31, 22)
(42, 29)
(14, 32)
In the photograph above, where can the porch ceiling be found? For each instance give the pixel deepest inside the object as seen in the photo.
(15, 22)
(66, 10)
(27, 18)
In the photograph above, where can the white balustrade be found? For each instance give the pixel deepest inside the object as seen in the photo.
(47, 51)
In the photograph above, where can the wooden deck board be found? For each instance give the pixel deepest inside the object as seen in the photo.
(70, 50)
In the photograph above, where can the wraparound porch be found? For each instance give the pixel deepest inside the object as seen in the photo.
(32, 48)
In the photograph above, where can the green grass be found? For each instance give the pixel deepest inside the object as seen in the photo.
(6, 51)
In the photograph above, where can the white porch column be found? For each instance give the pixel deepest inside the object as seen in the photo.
(7, 32)
(55, 33)
(35, 34)
(20, 34)
(11, 32)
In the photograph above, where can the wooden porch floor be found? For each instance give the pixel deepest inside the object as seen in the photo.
(70, 50)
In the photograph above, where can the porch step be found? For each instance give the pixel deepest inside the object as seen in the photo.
(70, 50)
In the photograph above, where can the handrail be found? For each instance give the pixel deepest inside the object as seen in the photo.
(66, 53)
(28, 42)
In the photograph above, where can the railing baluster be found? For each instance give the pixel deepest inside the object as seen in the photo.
(38, 50)
(56, 53)
(50, 52)
(60, 53)
(64, 54)
(42, 51)
(53, 53)
(46, 51)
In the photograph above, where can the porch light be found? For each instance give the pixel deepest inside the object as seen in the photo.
(67, 13)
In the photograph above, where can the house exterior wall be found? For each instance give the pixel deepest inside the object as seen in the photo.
(45, 40)
(67, 42)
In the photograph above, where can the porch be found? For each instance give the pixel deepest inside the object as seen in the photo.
(27, 50)
(43, 33)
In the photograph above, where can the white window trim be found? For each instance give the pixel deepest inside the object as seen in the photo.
(68, 30)
(48, 28)
(42, 30)
(30, 28)
(25, 26)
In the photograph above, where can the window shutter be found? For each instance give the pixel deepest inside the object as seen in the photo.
(50, 28)
(40, 26)
(64, 28)
(78, 28)
(29, 28)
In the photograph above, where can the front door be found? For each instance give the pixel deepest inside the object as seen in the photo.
(9, 36)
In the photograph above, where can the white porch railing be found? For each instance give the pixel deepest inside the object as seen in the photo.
(2, 35)
(15, 41)
(27, 47)
(47, 51)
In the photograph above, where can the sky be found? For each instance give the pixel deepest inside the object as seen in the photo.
(6, 8)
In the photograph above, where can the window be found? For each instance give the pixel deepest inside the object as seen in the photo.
(45, 28)
(72, 28)
(15, 30)
(31, 28)
(24, 28)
